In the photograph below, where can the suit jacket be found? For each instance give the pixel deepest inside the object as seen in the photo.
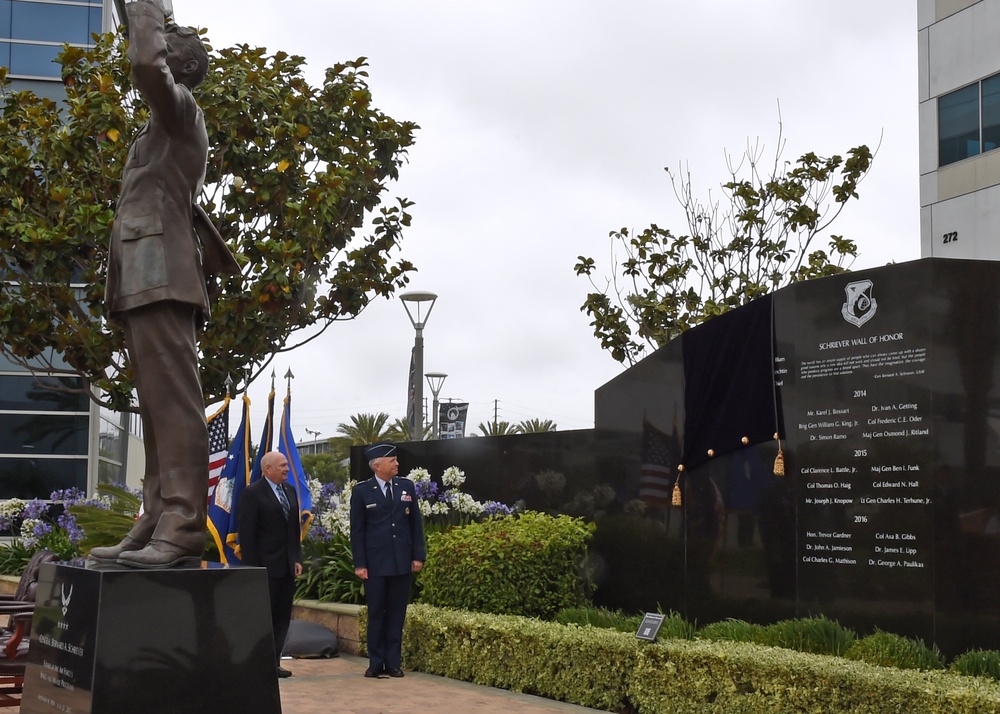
(386, 537)
(267, 538)
(155, 254)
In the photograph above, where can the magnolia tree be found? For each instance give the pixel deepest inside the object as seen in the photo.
(768, 232)
(296, 182)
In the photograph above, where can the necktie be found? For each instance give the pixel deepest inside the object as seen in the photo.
(284, 500)
(388, 491)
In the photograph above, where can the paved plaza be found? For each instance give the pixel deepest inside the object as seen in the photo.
(337, 686)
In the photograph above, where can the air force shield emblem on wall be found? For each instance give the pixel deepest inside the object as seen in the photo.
(860, 306)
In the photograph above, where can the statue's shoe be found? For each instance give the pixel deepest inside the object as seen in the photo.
(110, 553)
(160, 554)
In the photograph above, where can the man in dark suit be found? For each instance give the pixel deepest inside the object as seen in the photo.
(387, 544)
(268, 525)
(156, 289)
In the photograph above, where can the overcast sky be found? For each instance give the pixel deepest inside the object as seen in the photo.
(547, 124)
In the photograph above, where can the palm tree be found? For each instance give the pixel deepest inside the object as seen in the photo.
(536, 426)
(499, 428)
(365, 429)
(399, 430)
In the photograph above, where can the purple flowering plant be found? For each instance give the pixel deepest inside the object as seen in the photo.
(45, 524)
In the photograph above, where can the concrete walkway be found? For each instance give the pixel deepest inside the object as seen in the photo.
(338, 686)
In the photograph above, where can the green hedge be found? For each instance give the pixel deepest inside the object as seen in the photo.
(613, 671)
(890, 650)
(531, 564)
(977, 663)
(818, 635)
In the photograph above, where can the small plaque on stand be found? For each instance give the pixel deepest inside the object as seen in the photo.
(649, 627)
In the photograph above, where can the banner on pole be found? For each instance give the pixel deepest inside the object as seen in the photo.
(451, 419)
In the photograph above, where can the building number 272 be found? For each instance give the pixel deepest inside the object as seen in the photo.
(950, 237)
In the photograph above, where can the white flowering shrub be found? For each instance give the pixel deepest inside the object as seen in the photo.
(453, 477)
(332, 504)
(331, 510)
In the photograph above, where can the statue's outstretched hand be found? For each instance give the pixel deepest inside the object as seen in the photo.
(166, 6)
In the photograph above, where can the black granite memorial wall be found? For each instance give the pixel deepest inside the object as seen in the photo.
(884, 387)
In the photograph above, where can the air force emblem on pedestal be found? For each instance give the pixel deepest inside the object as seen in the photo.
(860, 306)
(65, 597)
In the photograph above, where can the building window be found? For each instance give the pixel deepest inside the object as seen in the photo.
(46, 22)
(958, 125)
(969, 121)
(991, 113)
(38, 477)
(32, 33)
(44, 434)
(63, 434)
(113, 447)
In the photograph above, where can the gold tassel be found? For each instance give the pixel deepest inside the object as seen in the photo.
(675, 499)
(779, 461)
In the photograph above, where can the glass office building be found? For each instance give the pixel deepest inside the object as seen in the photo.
(32, 33)
(959, 106)
(52, 435)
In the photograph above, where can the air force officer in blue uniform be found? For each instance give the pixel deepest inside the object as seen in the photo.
(387, 544)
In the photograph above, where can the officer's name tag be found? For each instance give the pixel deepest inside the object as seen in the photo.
(370, 505)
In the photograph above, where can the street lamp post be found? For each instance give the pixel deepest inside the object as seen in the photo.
(435, 380)
(315, 436)
(418, 320)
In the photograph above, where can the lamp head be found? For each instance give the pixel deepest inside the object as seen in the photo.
(435, 380)
(418, 298)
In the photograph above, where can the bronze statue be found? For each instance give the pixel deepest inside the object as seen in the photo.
(164, 251)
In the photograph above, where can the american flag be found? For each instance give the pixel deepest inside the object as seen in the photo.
(234, 476)
(218, 446)
(658, 472)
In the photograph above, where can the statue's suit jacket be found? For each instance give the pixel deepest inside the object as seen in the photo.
(155, 253)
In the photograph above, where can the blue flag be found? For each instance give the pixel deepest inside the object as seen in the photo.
(266, 437)
(296, 476)
(233, 478)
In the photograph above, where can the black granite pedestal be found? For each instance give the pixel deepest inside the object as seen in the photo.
(111, 640)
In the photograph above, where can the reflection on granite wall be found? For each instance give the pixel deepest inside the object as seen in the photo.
(883, 386)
